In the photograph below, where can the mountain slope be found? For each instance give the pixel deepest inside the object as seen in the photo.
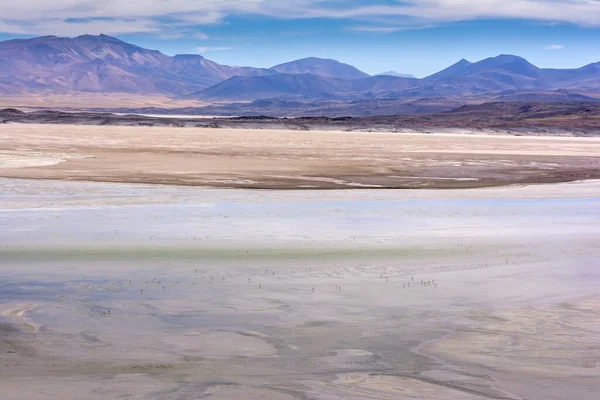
(587, 77)
(276, 86)
(202, 71)
(104, 64)
(507, 72)
(306, 86)
(494, 74)
(451, 71)
(322, 67)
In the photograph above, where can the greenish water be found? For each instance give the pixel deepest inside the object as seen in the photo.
(231, 253)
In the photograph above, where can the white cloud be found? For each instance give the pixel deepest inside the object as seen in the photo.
(554, 47)
(208, 49)
(157, 16)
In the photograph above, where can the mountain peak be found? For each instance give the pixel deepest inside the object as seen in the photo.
(316, 59)
(396, 74)
(451, 70)
(509, 63)
(320, 66)
(509, 58)
(100, 36)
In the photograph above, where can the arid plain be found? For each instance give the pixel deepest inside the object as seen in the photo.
(483, 286)
(286, 159)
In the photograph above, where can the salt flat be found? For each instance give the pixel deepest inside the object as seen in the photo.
(166, 292)
(288, 159)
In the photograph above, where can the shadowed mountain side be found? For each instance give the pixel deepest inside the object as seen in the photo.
(276, 86)
(308, 86)
(587, 77)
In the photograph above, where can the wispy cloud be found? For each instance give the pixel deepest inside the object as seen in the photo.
(554, 47)
(200, 36)
(376, 29)
(208, 49)
(582, 12)
(157, 16)
(389, 29)
(62, 27)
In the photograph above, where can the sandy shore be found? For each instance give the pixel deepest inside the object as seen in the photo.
(287, 159)
(166, 292)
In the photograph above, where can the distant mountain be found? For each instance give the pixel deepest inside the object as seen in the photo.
(587, 77)
(504, 76)
(103, 64)
(396, 74)
(305, 86)
(505, 63)
(507, 72)
(322, 67)
(200, 70)
(451, 71)
(276, 86)
(494, 74)
(383, 83)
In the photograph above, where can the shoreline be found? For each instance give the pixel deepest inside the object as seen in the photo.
(124, 194)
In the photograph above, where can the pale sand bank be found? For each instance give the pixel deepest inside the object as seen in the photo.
(288, 159)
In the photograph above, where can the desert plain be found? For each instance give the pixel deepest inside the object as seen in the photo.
(151, 263)
(289, 159)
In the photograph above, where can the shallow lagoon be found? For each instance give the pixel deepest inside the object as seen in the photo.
(179, 270)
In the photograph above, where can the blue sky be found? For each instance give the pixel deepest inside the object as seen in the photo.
(410, 36)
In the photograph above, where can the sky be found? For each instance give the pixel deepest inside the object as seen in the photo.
(417, 37)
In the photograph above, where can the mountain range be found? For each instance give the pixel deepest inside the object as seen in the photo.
(103, 64)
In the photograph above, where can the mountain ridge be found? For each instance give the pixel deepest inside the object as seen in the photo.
(320, 66)
(396, 74)
(104, 64)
